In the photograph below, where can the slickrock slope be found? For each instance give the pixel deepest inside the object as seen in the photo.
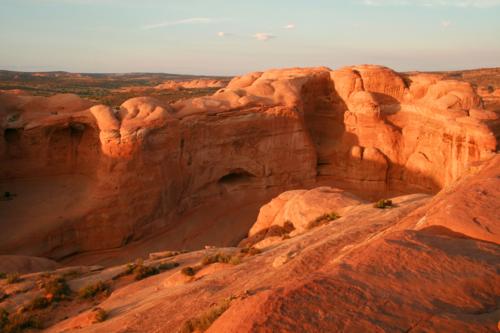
(377, 270)
(97, 178)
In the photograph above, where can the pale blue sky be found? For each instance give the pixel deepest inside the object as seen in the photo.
(234, 37)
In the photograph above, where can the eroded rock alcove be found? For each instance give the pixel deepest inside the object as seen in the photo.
(151, 176)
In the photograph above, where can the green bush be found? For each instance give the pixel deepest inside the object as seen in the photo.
(383, 204)
(92, 290)
(203, 322)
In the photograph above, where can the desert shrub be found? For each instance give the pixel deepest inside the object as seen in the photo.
(142, 272)
(168, 265)
(222, 258)
(100, 315)
(39, 302)
(72, 274)
(235, 260)
(251, 251)
(93, 289)
(323, 219)
(383, 204)
(273, 231)
(130, 268)
(189, 271)
(218, 257)
(13, 278)
(203, 322)
(166, 254)
(57, 288)
(3, 275)
(19, 322)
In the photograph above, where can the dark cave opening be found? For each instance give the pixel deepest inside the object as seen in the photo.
(12, 135)
(236, 176)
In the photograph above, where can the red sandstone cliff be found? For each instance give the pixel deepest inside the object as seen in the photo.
(121, 175)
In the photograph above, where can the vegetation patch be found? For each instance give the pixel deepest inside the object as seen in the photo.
(250, 251)
(273, 231)
(222, 258)
(93, 290)
(18, 322)
(203, 322)
(165, 254)
(188, 271)
(142, 272)
(167, 266)
(323, 219)
(100, 315)
(39, 302)
(383, 204)
(57, 289)
(3, 275)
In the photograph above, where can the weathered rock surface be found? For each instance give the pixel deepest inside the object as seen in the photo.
(301, 207)
(371, 270)
(98, 178)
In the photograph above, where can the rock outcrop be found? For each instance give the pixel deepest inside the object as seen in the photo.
(301, 207)
(120, 175)
(370, 270)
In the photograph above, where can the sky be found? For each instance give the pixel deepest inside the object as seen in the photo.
(230, 37)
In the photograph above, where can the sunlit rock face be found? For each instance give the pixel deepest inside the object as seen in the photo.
(98, 178)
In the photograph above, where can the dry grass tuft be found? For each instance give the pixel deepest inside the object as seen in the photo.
(203, 322)
(323, 219)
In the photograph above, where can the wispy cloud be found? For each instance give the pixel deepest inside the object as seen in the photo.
(226, 34)
(434, 3)
(192, 20)
(263, 36)
(289, 26)
(445, 24)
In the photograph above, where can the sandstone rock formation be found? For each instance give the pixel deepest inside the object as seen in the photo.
(300, 207)
(117, 176)
(370, 270)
